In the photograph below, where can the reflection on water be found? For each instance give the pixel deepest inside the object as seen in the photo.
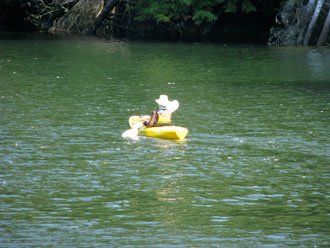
(318, 62)
(253, 170)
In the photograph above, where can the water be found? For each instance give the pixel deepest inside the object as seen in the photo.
(253, 171)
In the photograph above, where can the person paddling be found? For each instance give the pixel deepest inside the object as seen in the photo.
(162, 116)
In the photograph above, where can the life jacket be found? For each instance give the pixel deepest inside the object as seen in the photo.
(164, 117)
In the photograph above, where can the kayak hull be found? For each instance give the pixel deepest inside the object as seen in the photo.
(164, 132)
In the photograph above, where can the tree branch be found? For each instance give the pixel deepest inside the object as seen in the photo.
(106, 10)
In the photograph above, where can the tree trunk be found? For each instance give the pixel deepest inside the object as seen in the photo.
(325, 31)
(310, 6)
(106, 10)
(308, 10)
(79, 18)
(313, 22)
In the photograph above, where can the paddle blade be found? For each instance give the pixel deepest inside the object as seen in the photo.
(173, 106)
(131, 133)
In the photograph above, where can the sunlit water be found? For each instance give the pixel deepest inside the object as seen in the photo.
(253, 171)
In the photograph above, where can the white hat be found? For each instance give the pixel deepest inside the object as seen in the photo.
(170, 105)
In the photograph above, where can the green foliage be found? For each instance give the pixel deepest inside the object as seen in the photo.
(150, 9)
(187, 15)
(162, 18)
(199, 11)
(203, 15)
(247, 6)
(231, 6)
(166, 18)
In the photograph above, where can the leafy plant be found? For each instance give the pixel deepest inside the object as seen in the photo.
(187, 15)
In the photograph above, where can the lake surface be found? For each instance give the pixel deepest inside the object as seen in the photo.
(253, 171)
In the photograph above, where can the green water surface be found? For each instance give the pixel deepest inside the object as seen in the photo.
(253, 171)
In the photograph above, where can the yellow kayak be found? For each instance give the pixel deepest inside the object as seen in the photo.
(163, 132)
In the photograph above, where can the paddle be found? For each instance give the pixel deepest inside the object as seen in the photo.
(133, 132)
(174, 105)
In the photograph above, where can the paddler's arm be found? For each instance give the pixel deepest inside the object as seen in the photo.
(153, 117)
